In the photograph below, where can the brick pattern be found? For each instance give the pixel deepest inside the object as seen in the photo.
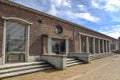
(36, 29)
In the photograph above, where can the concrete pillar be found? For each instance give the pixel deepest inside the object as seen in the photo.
(87, 44)
(49, 46)
(109, 47)
(4, 42)
(98, 45)
(80, 43)
(94, 45)
(28, 43)
(67, 47)
(106, 46)
(103, 46)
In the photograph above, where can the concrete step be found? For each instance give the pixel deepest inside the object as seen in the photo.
(24, 72)
(20, 64)
(74, 64)
(23, 68)
(72, 61)
(10, 70)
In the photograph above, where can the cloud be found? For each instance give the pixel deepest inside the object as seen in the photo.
(53, 10)
(112, 5)
(86, 16)
(109, 5)
(62, 9)
(113, 31)
(67, 3)
(82, 7)
(95, 4)
(59, 3)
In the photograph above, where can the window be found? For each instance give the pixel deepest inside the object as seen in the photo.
(58, 29)
(58, 46)
(15, 41)
(15, 36)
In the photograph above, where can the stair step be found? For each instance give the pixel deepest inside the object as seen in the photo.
(69, 59)
(22, 68)
(74, 64)
(72, 61)
(20, 64)
(24, 72)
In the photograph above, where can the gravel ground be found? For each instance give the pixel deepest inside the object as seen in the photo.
(101, 69)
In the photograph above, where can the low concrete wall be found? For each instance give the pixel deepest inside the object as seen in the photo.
(80, 56)
(101, 55)
(34, 58)
(59, 61)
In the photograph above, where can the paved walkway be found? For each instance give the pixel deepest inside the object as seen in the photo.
(102, 69)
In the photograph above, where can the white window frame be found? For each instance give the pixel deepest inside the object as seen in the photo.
(4, 36)
(50, 45)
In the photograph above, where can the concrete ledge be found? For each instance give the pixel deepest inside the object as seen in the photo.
(59, 61)
(101, 55)
(80, 56)
(34, 58)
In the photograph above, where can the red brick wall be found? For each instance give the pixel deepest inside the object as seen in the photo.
(46, 27)
(35, 41)
(36, 29)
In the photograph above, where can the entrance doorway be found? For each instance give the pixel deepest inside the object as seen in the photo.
(58, 46)
(16, 39)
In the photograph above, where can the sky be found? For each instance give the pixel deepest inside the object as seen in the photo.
(99, 15)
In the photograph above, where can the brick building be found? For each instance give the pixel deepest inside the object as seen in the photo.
(27, 35)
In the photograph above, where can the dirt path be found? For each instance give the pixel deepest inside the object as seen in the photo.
(101, 69)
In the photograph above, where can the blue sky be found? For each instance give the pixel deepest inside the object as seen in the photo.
(100, 15)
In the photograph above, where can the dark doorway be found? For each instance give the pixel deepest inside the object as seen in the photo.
(58, 46)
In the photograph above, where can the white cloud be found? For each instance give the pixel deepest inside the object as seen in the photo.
(82, 7)
(95, 4)
(69, 13)
(113, 31)
(59, 3)
(86, 16)
(112, 5)
(53, 10)
(67, 3)
(109, 5)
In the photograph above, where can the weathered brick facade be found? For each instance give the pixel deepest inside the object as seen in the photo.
(40, 31)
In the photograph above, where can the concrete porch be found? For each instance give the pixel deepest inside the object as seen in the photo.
(63, 61)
